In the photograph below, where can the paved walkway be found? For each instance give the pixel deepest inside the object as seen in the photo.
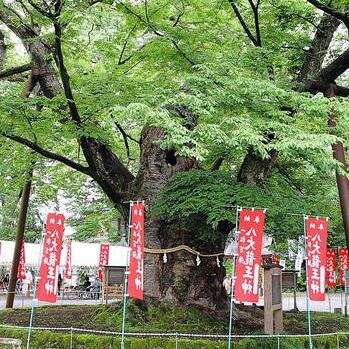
(332, 301)
(22, 301)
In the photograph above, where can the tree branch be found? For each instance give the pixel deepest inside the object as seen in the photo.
(242, 22)
(315, 86)
(47, 13)
(124, 133)
(3, 50)
(125, 136)
(217, 164)
(23, 31)
(175, 44)
(14, 71)
(343, 16)
(315, 56)
(48, 154)
(288, 179)
(121, 60)
(177, 19)
(256, 22)
(336, 68)
(156, 32)
(74, 113)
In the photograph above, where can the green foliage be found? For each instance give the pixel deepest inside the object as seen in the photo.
(128, 60)
(201, 200)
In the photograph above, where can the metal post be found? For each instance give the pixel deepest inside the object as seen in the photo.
(295, 292)
(235, 239)
(126, 280)
(278, 342)
(329, 299)
(176, 340)
(71, 337)
(35, 288)
(346, 300)
(338, 341)
(306, 282)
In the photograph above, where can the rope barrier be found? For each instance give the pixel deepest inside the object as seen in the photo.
(180, 248)
(175, 335)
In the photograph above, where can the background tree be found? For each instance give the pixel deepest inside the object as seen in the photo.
(136, 94)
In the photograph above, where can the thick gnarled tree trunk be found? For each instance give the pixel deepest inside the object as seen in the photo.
(179, 280)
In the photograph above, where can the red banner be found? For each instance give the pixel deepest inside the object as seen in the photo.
(343, 264)
(50, 258)
(316, 229)
(21, 266)
(68, 266)
(103, 255)
(331, 276)
(249, 255)
(135, 282)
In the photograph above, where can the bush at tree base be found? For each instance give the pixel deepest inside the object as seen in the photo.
(58, 340)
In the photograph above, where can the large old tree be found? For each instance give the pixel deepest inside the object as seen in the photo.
(133, 94)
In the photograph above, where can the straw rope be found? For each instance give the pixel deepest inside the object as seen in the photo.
(180, 248)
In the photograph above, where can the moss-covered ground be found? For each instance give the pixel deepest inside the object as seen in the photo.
(165, 319)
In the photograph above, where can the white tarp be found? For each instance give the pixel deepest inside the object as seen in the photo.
(83, 254)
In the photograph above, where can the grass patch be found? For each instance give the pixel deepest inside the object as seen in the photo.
(54, 340)
(166, 319)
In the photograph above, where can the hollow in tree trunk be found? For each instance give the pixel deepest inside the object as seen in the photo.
(180, 280)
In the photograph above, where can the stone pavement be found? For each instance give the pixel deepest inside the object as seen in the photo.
(332, 301)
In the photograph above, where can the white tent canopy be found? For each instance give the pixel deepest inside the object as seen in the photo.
(83, 254)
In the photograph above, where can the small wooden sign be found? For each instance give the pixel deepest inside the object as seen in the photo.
(273, 317)
(114, 275)
(276, 289)
(112, 287)
(289, 279)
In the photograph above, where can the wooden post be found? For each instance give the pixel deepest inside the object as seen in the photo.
(19, 241)
(273, 317)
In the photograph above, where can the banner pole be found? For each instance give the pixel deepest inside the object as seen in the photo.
(306, 282)
(235, 241)
(126, 280)
(329, 299)
(35, 287)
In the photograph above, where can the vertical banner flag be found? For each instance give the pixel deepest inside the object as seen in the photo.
(343, 264)
(249, 255)
(50, 258)
(68, 265)
(103, 255)
(316, 229)
(331, 268)
(135, 283)
(21, 266)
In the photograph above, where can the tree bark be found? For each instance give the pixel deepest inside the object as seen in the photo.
(254, 170)
(317, 52)
(2, 50)
(342, 180)
(179, 280)
(19, 241)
